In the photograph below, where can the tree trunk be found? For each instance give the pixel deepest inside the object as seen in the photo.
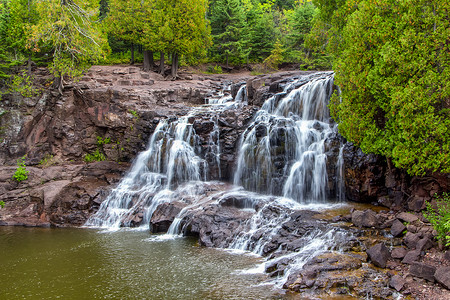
(148, 60)
(161, 64)
(227, 60)
(174, 69)
(132, 54)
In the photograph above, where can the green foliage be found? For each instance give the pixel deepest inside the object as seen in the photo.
(2, 204)
(439, 217)
(22, 84)
(228, 29)
(95, 156)
(98, 154)
(134, 113)
(103, 141)
(392, 68)
(21, 173)
(215, 70)
(71, 30)
(46, 161)
(275, 58)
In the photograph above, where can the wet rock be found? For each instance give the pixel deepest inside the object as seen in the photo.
(397, 228)
(379, 255)
(411, 257)
(398, 253)
(407, 217)
(442, 275)
(422, 270)
(327, 275)
(397, 282)
(164, 215)
(367, 218)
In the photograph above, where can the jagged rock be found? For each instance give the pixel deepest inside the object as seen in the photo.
(407, 217)
(411, 257)
(379, 255)
(424, 244)
(164, 215)
(397, 282)
(399, 252)
(411, 240)
(367, 218)
(442, 275)
(397, 228)
(422, 270)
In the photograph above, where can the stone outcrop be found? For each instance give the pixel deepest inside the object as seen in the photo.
(57, 195)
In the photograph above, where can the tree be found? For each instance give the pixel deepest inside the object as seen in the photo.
(393, 70)
(228, 29)
(261, 31)
(71, 30)
(125, 20)
(299, 24)
(186, 29)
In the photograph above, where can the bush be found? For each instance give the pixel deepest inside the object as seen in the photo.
(21, 173)
(95, 156)
(439, 217)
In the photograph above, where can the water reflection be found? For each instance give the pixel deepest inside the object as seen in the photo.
(40, 263)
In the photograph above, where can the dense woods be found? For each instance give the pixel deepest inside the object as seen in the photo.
(390, 56)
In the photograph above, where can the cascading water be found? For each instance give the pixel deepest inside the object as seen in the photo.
(281, 155)
(282, 152)
(172, 157)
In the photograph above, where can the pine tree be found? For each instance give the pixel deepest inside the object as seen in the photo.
(228, 29)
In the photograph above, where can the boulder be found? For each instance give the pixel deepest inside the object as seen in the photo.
(422, 270)
(407, 217)
(397, 228)
(367, 218)
(379, 255)
(411, 257)
(411, 240)
(399, 252)
(424, 244)
(442, 275)
(397, 282)
(164, 215)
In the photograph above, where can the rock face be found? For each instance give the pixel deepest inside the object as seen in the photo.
(371, 178)
(59, 196)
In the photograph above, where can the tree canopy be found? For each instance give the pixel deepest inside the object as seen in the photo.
(392, 67)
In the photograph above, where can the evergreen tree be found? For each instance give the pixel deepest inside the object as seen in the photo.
(228, 29)
(393, 70)
(69, 27)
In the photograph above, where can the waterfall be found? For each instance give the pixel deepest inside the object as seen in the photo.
(172, 157)
(282, 151)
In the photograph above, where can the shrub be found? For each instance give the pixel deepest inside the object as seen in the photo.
(95, 156)
(439, 217)
(21, 173)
